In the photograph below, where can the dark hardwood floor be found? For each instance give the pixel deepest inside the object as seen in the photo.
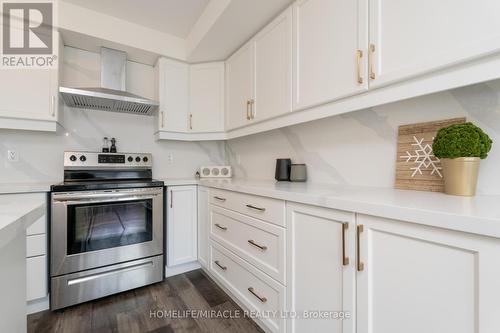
(159, 308)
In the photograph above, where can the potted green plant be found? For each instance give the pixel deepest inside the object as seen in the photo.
(460, 148)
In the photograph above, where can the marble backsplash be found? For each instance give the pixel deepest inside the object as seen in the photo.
(41, 154)
(359, 148)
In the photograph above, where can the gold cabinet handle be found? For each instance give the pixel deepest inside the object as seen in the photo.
(190, 121)
(345, 260)
(252, 291)
(171, 199)
(360, 265)
(248, 110)
(256, 208)
(252, 110)
(359, 56)
(220, 266)
(262, 247)
(220, 227)
(53, 101)
(220, 199)
(371, 61)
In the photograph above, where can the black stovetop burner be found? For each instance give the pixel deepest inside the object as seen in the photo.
(102, 179)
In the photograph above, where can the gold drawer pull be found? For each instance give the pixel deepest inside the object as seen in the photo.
(359, 55)
(345, 260)
(371, 61)
(248, 110)
(220, 199)
(360, 264)
(220, 266)
(252, 291)
(262, 247)
(256, 208)
(220, 227)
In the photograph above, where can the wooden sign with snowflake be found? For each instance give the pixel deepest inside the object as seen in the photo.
(416, 166)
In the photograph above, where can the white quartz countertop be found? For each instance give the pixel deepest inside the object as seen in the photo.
(35, 187)
(179, 181)
(21, 209)
(479, 215)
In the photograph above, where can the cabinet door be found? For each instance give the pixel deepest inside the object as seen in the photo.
(181, 225)
(173, 95)
(422, 279)
(326, 38)
(239, 86)
(203, 224)
(320, 267)
(273, 68)
(36, 272)
(207, 97)
(423, 35)
(30, 94)
(27, 94)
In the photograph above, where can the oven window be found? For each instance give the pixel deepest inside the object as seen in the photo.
(100, 226)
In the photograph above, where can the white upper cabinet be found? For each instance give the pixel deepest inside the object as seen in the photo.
(329, 50)
(273, 63)
(172, 78)
(29, 98)
(258, 76)
(417, 279)
(414, 37)
(239, 86)
(206, 97)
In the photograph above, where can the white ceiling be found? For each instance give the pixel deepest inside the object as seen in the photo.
(175, 17)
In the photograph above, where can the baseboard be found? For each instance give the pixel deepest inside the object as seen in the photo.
(38, 305)
(179, 269)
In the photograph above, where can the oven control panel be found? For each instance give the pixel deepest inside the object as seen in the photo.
(82, 159)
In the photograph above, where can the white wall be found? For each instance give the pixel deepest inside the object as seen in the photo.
(41, 153)
(359, 148)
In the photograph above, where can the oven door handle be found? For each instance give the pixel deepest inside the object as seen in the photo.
(103, 199)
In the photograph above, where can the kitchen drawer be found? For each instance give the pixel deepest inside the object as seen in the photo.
(36, 277)
(260, 243)
(254, 289)
(36, 245)
(268, 209)
(39, 227)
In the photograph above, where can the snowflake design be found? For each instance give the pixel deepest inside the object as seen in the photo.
(423, 157)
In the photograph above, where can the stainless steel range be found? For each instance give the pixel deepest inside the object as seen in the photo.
(106, 227)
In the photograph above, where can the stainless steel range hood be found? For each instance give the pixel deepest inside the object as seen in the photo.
(111, 96)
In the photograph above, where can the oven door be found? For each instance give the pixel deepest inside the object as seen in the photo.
(92, 229)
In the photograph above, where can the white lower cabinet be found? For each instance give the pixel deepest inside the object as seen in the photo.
(36, 260)
(203, 226)
(320, 269)
(422, 279)
(256, 290)
(37, 274)
(182, 228)
(352, 273)
(260, 243)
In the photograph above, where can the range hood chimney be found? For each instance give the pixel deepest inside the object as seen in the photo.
(111, 96)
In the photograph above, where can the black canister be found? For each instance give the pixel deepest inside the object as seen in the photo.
(283, 169)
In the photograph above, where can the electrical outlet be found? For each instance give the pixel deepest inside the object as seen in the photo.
(170, 158)
(12, 156)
